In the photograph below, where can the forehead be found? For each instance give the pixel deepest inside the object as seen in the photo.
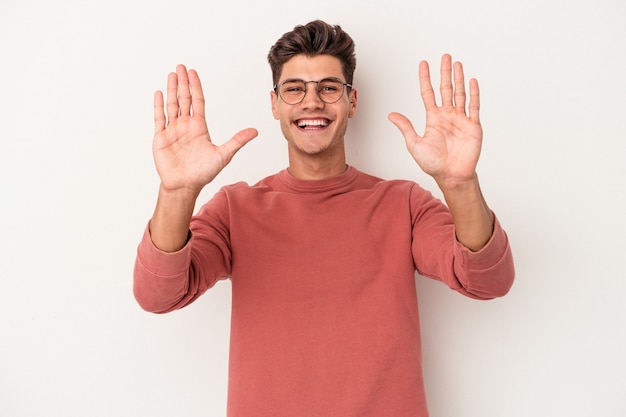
(312, 68)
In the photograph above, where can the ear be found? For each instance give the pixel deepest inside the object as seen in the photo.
(274, 99)
(353, 99)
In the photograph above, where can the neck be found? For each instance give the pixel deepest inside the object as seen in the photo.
(315, 167)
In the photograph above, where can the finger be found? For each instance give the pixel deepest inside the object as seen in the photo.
(446, 81)
(459, 88)
(184, 95)
(426, 88)
(172, 97)
(197, 96)
(159, 113)
(474, 104)
(230, 148)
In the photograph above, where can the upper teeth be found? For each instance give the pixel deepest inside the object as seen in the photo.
(303, 123)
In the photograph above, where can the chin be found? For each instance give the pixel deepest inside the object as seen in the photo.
(316, 146)
(311, 149)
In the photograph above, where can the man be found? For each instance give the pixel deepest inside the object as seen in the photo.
(321, 257)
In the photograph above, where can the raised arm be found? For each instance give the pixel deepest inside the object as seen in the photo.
(450, 147)
(185, 157)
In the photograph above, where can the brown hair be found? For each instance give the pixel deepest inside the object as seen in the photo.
(314, 38)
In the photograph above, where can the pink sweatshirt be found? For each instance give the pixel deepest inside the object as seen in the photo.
(324, 309)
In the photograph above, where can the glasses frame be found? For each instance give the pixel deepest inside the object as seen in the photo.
(317, 89)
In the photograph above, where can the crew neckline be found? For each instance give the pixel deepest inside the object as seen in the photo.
(325, 184)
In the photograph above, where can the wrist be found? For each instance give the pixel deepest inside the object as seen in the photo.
(473, 220)
(179, 195)
(458, 185)
(169, 226)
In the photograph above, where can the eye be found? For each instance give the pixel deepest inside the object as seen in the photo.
(330, 86)
(292, 87)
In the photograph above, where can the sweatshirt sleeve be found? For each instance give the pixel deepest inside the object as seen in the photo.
(488, 273)
(485, 274)
(164, 281)
(160, 281)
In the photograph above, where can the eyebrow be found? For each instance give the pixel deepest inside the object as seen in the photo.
(291, 80)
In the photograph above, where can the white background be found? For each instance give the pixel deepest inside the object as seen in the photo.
(78, 186)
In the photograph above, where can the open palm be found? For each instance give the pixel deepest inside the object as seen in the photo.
(450, 147)
(185, 157)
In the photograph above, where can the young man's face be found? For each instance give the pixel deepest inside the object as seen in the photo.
(313, 127)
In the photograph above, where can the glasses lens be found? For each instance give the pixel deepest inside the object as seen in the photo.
(292, 92)
(330, 90)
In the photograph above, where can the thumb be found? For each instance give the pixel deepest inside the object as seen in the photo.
(230, 148)
(404, 125)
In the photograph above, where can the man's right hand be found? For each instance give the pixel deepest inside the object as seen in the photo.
(185, 157)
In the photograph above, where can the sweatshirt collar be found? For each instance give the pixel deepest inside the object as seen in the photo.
(315, 186)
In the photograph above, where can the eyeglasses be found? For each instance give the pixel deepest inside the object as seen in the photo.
(329, 90)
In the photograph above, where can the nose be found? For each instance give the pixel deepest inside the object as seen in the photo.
(311, 97)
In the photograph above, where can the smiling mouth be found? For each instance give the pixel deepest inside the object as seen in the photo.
(312, 124)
